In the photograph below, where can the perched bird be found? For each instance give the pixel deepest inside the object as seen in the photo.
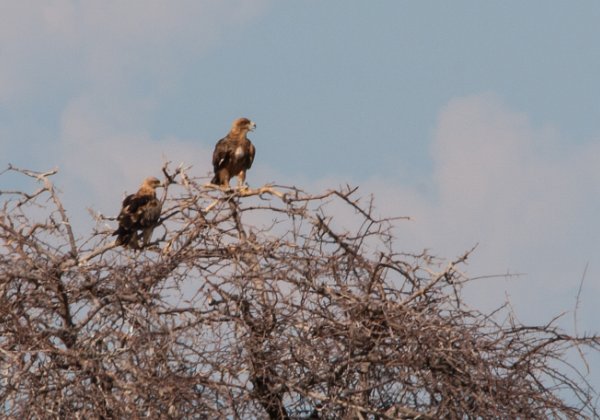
(140, 211)
(234, 154)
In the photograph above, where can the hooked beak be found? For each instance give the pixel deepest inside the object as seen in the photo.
(252, 125)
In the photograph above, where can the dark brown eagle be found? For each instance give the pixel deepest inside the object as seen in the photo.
(234, 154)
(140, 211)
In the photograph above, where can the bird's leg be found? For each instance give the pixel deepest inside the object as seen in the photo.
(224, 180)
(147, 234)
(133, 242)
(242, 180)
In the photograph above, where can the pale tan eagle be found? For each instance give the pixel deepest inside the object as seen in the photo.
(140, 212)
(234, 154)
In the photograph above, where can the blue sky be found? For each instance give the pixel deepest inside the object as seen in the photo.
(481, 120)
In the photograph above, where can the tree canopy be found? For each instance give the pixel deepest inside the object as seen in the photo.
(258, 303)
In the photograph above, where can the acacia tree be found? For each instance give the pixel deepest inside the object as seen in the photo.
(257, 303)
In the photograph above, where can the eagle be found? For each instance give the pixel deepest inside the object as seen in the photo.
(140, 211)
(234, 154)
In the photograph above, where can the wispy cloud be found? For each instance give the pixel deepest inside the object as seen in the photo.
(109, 43)
(514, 189)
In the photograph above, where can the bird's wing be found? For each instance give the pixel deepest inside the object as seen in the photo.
(251, 153)
(133, 204)
(222, 153)
(150, 213)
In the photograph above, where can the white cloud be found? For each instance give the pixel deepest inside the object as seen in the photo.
(509, 186)
(108, 43)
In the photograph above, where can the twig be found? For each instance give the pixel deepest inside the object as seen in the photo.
(575, 323)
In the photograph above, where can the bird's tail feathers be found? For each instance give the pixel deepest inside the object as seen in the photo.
(124, 236)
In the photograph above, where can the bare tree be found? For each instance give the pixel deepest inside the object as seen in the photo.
(257, 303)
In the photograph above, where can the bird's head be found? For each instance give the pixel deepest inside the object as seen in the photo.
(151, 183)
(243, 125)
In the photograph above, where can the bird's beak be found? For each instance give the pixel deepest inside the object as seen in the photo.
(252, 125)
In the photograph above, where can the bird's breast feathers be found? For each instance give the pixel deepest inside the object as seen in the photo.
(239, 152)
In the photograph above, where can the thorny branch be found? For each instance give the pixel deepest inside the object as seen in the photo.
(257, 303)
